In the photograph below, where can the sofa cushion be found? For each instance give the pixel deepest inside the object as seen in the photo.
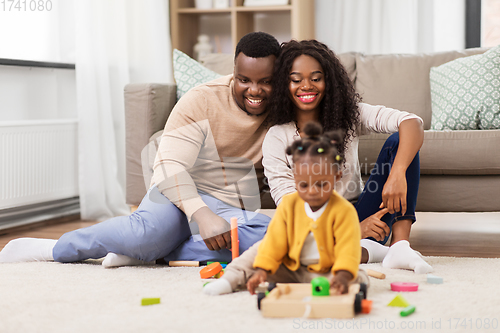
(147, 107)
(189, 73)
(444, 152)
(401, 81)
(466, 93)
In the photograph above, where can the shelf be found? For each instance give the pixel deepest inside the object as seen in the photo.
(187, 22)
(205, 11)
(263, 8)
(250, 9)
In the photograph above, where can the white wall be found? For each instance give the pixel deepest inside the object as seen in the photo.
(31, 93)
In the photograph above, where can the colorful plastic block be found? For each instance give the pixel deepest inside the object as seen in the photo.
(434, 279)
(320, 286)
(404, 286)
(399, 301)
(407, 311)
(150, 301)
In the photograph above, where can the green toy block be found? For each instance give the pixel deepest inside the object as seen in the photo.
(399, 301)
(320, 286)
(407, 311)
(150, 301)
(434, 279)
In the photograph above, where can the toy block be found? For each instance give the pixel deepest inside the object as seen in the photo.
(407, 311)
(434, 279)
(210, 270)
(295, 300)
(234, 238)
(366, 306)
(375, 274)
(320, 286)
(399, 301)
(404, 286)
(150, 301)
(184, 263)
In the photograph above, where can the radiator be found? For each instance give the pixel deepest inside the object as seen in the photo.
(38, 162)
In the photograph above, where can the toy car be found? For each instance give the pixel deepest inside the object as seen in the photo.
(297, 300)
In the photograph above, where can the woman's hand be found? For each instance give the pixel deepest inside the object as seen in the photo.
(340, 282)
(374, 227)
(215, 231)
(257, 278)
(394, 192)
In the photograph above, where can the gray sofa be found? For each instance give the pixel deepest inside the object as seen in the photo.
(460, 170)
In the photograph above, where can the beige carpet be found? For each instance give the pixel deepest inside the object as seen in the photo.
(85, 297)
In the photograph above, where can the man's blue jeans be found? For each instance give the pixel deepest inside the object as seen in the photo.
(158, 229)
(370, 199)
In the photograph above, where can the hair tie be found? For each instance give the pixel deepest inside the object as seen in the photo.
(300, 148)
(320, 150)
(338, 158)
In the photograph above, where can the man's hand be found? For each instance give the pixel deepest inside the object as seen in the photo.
(394, 192)
(372, 226)
(340, 282)
(257, 278)
(215, 231)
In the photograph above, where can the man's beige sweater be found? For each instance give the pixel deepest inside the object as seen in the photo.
(210, 145)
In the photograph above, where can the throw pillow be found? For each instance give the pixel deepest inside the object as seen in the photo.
(189, 73)
(465, 93)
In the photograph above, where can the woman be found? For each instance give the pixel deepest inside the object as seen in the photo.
(310, 84)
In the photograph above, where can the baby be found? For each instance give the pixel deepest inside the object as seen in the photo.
(315, 231)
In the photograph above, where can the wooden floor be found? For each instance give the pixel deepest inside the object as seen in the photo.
(435, 234)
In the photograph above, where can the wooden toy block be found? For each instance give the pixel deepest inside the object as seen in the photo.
(375, 274)
(235, 246)
(184, 263)
(434, 279)
(296, 300)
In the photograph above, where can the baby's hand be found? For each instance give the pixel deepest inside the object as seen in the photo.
(257, 278)
(340, 282)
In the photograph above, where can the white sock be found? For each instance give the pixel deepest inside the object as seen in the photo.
(376, 251)
(218, 287)
(117, 260)
(401, 255)
(28, 249)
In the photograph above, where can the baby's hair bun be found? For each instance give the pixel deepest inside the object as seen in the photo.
(313, 129)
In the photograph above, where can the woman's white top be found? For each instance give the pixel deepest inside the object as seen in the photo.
(278, 165)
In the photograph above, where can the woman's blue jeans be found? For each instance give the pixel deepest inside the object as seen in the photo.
(370, 199)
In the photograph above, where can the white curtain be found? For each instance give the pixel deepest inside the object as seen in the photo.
(391, 26)
(116, 43)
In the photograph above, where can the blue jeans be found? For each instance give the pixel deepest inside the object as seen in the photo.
(370, 199)
(158, 229)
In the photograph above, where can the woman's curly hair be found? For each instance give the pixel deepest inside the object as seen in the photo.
(339, 106)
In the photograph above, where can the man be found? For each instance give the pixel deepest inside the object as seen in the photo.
(205, 171)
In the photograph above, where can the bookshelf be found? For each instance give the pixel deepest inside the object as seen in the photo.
(185, 20)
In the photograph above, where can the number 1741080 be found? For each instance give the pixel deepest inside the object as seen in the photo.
(25, 5)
